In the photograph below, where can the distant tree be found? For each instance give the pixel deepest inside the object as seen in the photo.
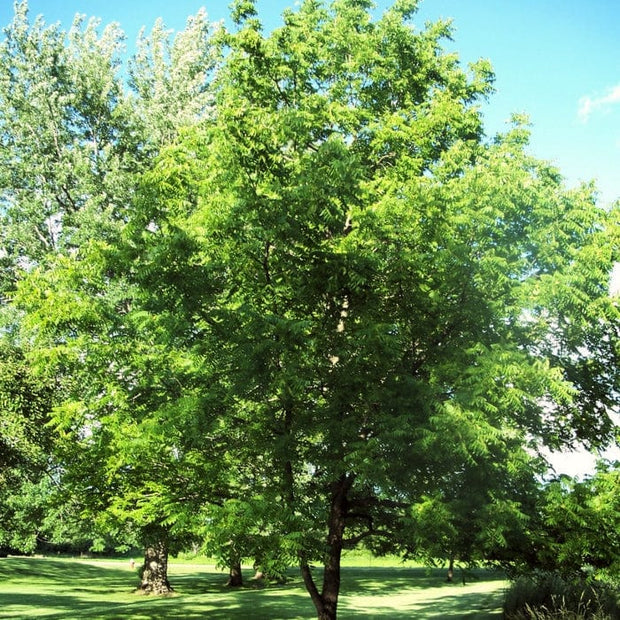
(26, 446)
(68, 149)
(579, 533)
(171, 80)
(571, 561)
(74, 137)
(481, 512)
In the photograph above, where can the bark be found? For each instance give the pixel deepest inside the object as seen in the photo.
(450, 576)
(235, 578)
(311, 587)
(154, 571)
(326, 602)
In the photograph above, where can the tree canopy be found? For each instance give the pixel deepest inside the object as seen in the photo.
(328, 298)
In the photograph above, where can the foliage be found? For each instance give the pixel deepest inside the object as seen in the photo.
(74, 142)
(394, 300)
(549, 596)
(579, 529)
(171, 80)
(66, 151)
(323, 304)
(74, 138)
(479, 514)
(573, 571)
(25, 444)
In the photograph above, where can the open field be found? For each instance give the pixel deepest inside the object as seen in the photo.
(93, 589)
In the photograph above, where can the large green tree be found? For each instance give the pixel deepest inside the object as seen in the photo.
(140, 430)
(399, 297)
(390, 298)
(397, 293)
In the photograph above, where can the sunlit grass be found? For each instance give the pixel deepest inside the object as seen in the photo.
(70, 588)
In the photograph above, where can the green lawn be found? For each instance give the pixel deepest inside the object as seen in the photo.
(71, 588)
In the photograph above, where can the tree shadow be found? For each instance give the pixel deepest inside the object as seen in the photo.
(399, 593)
(72, 587)
(361, 580)
(55, 571)
(449, 606)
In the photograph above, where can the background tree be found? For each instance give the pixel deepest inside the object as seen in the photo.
(571, 562)
(74, 137)
(170, 80)
(579, 525)
(26, 452)
(75, 141)
(67, 147)
(483, 511)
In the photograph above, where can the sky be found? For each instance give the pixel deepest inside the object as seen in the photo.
(558, 61)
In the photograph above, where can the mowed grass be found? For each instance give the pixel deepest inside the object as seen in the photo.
(78, 588)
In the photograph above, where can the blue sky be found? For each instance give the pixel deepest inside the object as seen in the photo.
(556, 60)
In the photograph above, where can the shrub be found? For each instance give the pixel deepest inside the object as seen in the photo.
(550, 596)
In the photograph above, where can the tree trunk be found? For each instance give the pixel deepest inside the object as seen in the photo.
(235, 578)
(326, 602)
(154, 571)
(450, 570)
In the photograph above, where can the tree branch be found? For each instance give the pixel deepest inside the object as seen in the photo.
(367, 502)
(350, 543)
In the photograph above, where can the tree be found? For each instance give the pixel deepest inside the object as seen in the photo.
(74, 141)
(171, 80)
(26, 445)
(397, 294)
(482, 512)
(67, 149)
(572, 559)
(125, 424)
(74, 137)
(578, 534)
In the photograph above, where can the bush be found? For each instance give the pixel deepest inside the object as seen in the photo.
(549, 596)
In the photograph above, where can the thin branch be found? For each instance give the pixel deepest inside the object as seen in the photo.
(350, 543)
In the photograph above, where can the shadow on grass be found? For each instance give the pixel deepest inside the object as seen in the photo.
(56, 571)
(236, 606)
(399, 593)
(42, 587)
(361, 580)
(55, 589)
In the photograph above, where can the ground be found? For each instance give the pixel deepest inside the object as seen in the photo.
(95, 588)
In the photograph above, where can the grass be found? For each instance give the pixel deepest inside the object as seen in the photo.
(55, 588)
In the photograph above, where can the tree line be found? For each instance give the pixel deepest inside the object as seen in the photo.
(277, 295)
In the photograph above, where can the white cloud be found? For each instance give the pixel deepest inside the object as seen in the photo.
(588, 104)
